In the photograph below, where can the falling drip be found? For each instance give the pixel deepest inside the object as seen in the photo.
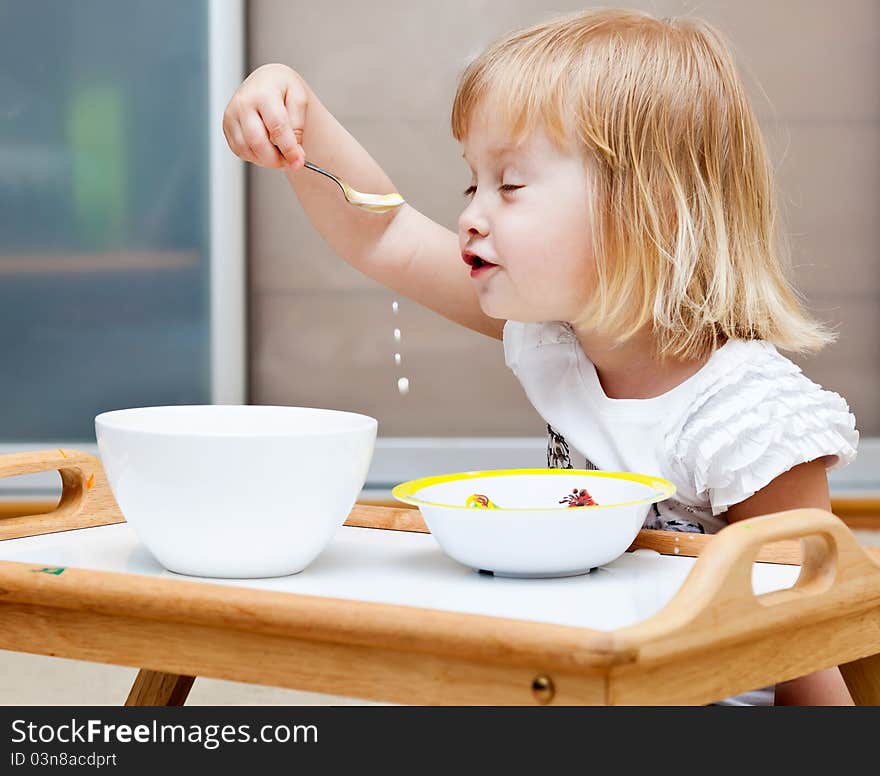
(402, 382)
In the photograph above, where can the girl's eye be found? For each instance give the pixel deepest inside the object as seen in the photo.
(505, 187)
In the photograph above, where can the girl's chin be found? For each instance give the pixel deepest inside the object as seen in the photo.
(493, 309)
(507, 312)
(495, 304)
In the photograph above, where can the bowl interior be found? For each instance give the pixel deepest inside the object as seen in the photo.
(533, 489)
(233, 420)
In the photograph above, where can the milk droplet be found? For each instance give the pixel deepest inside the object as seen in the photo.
(676, 550)
(397, 335)
(403, 385)
(395, 307)
(397, 359)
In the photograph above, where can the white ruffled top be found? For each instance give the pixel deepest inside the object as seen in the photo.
(746, 417)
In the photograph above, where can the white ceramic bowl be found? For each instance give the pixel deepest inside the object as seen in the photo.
(231, 490)
(531, 534)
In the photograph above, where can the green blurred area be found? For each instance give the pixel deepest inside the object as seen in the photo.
(96, 135)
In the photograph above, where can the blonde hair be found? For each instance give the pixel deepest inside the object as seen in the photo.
(685, 226)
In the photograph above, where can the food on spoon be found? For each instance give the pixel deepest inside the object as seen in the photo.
(479, 501)
(579, 498)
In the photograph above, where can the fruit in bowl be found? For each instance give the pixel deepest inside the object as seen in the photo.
(235, 491)
(535, 522)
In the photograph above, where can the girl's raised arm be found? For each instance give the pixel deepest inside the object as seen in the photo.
(275, 120)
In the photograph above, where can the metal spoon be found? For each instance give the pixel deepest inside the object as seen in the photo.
(374, 203)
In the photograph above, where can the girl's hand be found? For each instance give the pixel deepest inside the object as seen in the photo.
(264, 120)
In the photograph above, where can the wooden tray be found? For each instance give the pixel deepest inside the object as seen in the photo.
(714, 639)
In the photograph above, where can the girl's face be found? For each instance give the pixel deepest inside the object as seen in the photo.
(528, 216)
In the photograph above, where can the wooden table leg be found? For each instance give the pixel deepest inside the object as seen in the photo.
(862, 678)
(153, 688)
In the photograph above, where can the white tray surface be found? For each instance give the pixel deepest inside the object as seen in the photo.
(410, 569)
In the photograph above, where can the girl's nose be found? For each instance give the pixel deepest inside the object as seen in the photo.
(472, 222)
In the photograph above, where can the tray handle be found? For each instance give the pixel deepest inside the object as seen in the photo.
(831, 557)
(717, 600)
(86, 499)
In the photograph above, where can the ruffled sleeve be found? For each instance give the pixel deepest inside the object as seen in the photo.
(753, 420)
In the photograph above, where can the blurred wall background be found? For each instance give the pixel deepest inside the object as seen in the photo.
(321, 333)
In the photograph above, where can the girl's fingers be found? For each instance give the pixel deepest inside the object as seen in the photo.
(256, 138)
(281, 134)
(263, 122)
(235, 138)
(295, 103)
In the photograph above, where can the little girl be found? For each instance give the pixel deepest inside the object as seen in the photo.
(620, 237)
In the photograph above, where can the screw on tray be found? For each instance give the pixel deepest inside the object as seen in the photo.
(543, 689)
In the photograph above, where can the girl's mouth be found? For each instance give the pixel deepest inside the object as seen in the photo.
(478, 264)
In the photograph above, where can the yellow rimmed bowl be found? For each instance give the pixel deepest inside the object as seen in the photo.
(530, 533)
